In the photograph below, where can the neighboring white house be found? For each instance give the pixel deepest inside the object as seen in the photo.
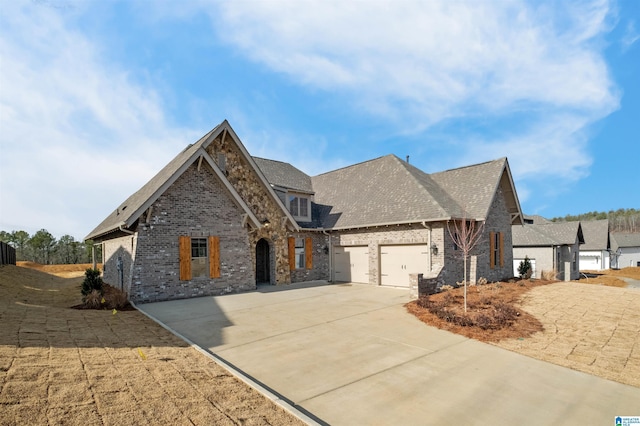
(553, 246)
(594, 253)
(625, 250)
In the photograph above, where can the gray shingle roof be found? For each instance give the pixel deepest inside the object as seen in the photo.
(473, 187)
(129, 210)
(596, 234)
(388, 190)
(536, 219)
(619, 239)
(284, 175)
(548, 234)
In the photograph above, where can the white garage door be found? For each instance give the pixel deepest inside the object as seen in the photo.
(397, 262)
(351, 264)
(589, 263)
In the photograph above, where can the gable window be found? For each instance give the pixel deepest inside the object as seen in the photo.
(300, 253)
(496, 249)
(299, 207)
(199, 257)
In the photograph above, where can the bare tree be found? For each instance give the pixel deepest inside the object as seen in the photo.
(465, 235)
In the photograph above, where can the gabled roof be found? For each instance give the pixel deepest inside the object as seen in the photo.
(596, 234)
(474, 188)
(548, 234)
(624, 240)
(133, 207)
(284, 175)
(388, 190)
(535, 219)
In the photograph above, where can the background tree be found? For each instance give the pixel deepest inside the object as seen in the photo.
(21, 241)
(42, 244)
(67, 250)
(465, 235)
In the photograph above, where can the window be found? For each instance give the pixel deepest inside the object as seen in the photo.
(496, 249)
(198, 247)
(199, 257)
(299, 207)
(300, 253)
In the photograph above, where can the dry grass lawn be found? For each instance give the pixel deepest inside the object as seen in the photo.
(611, 277)
(83, 367)
(593, 329)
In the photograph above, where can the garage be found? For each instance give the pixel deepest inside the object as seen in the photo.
(398, 261)
(351, 264)
(589, 262)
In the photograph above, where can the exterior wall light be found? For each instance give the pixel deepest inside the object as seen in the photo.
(434, 249)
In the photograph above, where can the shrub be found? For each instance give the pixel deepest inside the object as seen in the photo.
(92, 281)
(524, 269)
(549, 275)
(93, 300)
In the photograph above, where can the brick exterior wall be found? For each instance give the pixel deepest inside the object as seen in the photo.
(498, 220)
(401, 234)
(196, 205)
(320, 270)
(122, 248)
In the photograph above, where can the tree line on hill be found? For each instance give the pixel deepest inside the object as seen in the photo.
(621, 220)
(43, 248)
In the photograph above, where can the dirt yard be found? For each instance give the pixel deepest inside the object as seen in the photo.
(590, 328)
(82, 367)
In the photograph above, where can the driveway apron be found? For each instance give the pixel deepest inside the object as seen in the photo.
(351, 354)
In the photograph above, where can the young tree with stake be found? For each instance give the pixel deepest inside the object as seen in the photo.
(465, 235)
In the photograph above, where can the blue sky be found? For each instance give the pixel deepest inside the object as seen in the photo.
(96, 97)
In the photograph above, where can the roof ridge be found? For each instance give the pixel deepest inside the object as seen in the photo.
(472, 165)
(356, 164)
(423, 188)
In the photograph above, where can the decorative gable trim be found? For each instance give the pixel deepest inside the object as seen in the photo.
(226, 130)
(200, 154)
(511, 196)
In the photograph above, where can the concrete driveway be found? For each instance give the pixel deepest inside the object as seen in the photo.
(350, 354)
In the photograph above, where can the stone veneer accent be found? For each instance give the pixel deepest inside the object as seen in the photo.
(247, 183)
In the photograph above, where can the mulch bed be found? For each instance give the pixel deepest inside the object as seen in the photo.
(493, 312)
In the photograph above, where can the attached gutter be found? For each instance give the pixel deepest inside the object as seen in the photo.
(387, 224)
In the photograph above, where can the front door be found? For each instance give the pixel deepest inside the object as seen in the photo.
(263, 264)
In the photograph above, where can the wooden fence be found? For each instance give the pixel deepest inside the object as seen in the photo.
(7, 254)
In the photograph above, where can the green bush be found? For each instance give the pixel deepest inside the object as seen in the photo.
(524, 269)
(92, 281)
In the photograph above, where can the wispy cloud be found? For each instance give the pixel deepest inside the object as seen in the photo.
(631, 35)
(75, 130)
(426, 63)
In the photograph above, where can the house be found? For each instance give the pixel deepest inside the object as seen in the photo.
(625, 250)
(553, 246)
(217, 220)
(594, 253)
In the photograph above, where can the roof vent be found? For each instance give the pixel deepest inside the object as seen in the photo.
(407, 159)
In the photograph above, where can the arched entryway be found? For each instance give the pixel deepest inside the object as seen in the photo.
(263, 262)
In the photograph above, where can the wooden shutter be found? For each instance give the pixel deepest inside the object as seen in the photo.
(214, 257)
(292, 253)
(501, 237)
(492, 248)
(184, 247)
(308, 253)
